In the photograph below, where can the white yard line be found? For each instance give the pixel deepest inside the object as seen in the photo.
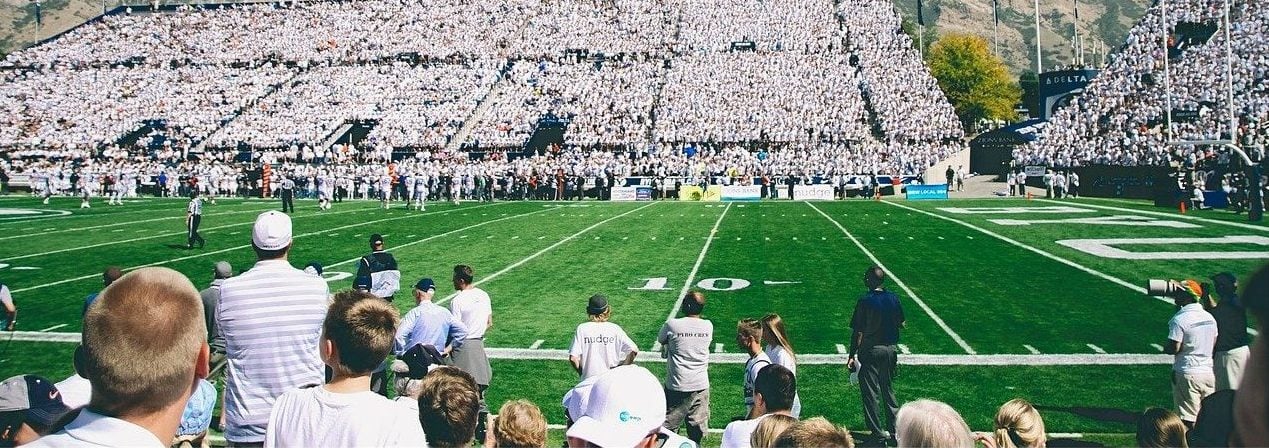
(451, 232)
(803, 358)
(921, 303)
(1094, 272)
(161, 235)
(539, 253)
(129, 223)
(691, 276)
(244, 246)
(53, 328)
(1165, 215)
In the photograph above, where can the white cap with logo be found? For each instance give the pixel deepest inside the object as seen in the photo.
(272, 231)
(625, 405)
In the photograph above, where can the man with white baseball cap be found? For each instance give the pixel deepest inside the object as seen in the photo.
(269, 316)
(625, 408)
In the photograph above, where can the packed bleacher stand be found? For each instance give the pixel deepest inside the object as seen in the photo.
(1120, 119)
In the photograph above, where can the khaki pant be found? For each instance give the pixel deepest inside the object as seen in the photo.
(1188, 390)
(1229, 367)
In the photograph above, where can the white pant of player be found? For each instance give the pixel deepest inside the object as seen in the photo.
(1229, 367)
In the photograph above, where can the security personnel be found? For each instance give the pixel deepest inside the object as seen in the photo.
(288, 195)
(381, 268)
(194, 217)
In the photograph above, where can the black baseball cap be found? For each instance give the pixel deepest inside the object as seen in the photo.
(37, 397)
(597, 304)
(1225, 277)
(425, 284)
(376, 238)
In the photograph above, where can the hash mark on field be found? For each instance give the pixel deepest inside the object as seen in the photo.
(235, 233)
(117, 230)
(50, 228)
(1031, 349)
(1157, 347)
(333, 235)
(542, 237)
(625, 238)
(681, 238)
(409, 236)
(515, 237)
(718, 348)
(767, 238)
(53, 327)
(841, 349)
(596, 237)
(654, 238)
(462, 236)
(904, 349)
(489, 237)
(1096, 349)
(795, 238)
(536, 344)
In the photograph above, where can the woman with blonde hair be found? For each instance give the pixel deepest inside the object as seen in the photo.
(775, 343)
(519, 424)
(1018, 425)
(1158, 427)
(769, 429)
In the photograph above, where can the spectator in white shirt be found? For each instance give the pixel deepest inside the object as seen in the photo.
(472, 307)
(775, 341)
(600, 345)
(1191, 338)
(356, 335)
(685, 346)
(774, 391)
(144, 350)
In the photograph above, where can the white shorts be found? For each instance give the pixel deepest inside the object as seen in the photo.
(1189, 390)
(1229, 367)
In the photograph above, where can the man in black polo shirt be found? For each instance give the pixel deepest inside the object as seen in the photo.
(1230, 352)
(876, 323)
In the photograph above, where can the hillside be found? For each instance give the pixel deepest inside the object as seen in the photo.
(1104, 21)
(1101, 20)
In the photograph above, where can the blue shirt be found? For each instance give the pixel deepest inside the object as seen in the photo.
(878, 315)
(429, 324)
(196, 417)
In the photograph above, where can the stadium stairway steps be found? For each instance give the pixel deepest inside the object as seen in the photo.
(334, 137)
(460, 137)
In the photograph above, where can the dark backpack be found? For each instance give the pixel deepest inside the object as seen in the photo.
(418, 358)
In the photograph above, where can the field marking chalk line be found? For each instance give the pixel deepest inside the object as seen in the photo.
(240, 247)
(543, 251)
(1100, 274)
(691, 276)
(921, 303)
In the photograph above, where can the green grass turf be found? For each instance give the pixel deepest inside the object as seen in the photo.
(540, 261)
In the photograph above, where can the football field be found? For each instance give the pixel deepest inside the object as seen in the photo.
(1004, 298)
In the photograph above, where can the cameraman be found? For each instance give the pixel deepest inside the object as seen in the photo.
(1230, 351)
(1191, 337)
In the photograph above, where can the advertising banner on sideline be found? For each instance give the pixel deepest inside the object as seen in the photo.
(927, 192)
(742, 192)
(819, 192)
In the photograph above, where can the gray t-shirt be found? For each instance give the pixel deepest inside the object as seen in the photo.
(686, 343)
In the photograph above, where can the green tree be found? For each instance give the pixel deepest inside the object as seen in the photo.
(974, 80)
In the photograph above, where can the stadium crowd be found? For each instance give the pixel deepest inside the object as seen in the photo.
(142, 378)
(1120, 119)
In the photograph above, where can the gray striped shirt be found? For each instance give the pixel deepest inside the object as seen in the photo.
(271, 318)
(195, 206)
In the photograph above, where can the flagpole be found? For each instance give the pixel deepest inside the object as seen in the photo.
(995, 14)
(1039, 55)
(1079, 50)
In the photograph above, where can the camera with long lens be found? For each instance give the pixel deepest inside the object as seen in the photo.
(1163, 288)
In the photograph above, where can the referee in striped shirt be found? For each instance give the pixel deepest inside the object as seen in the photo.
(194, 217)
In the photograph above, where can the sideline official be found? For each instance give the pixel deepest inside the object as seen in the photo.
(288, 195)
(876, 323)
(194, 217)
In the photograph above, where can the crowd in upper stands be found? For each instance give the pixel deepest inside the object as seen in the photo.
(282, 83)
(1120, 119)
